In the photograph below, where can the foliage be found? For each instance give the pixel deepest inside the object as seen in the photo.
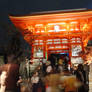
(14, 43)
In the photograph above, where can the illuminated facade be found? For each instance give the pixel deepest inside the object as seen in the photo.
(56, 32)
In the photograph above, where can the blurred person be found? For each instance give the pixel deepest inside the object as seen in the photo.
(69, 83)
(26, 85)
(47, 78)
(74, 70)
(60, 66)
(12, 70)
(81, 76)
(27, 65)
(43, 67)
(63, 82)
(52, 60)
(48, 68)
(86, 68)
(3, 77)
(36, 83)
(52, 83)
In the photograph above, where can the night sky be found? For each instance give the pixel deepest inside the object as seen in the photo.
(21, 7)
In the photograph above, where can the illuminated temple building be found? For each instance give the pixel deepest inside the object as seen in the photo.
(56, 31)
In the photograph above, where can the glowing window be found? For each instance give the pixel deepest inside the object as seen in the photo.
(41, 43)
(35, 43)
(65, 46)
(56, 28)
(75, 40)
(64, 40)
(57, 46)
(74, 26)
(49, 42)
(51, 47)
(56, 39)
(41, 40)
(57, 42)
(36, 40)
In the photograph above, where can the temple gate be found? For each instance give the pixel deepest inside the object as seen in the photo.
(56, 32)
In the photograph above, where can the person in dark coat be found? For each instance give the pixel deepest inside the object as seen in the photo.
(81, 76)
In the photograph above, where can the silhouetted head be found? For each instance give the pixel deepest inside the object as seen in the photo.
(80, 67)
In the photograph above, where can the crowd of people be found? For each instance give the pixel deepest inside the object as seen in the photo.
(47, 77)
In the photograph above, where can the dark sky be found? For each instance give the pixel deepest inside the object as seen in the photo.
(21, 7)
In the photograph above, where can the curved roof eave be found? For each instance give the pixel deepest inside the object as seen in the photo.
(59, 12)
